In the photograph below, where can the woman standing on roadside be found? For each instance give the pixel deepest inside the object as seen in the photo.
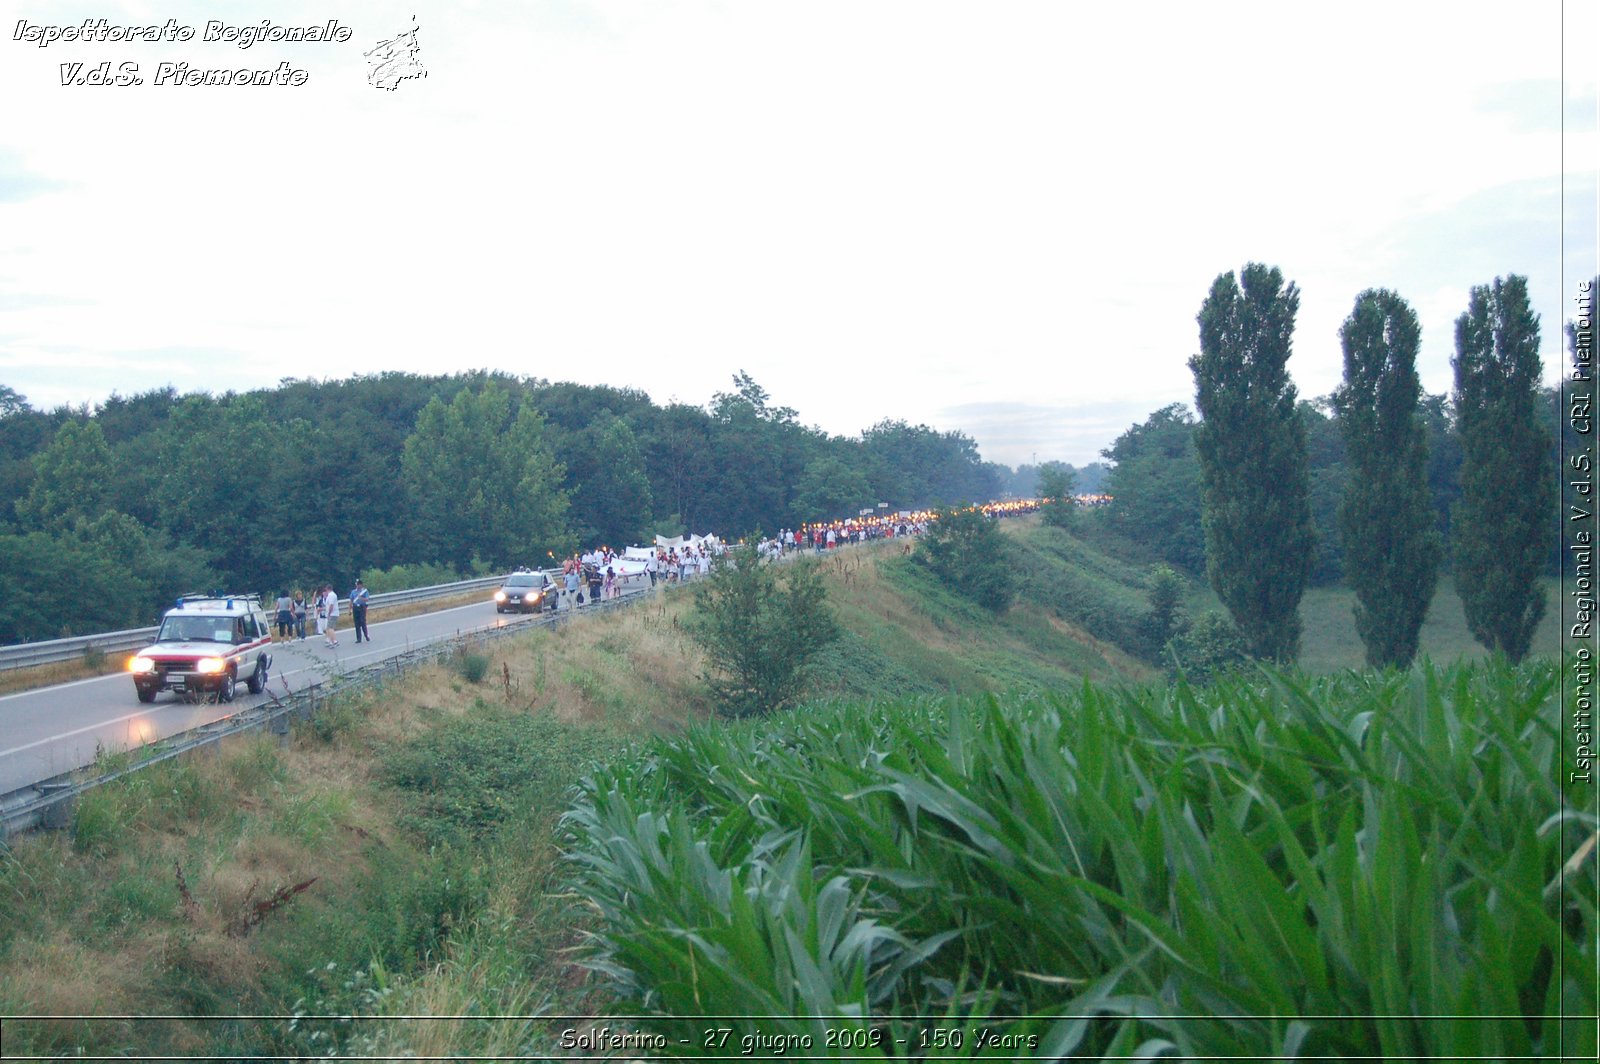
(285, 607)
(300, 613)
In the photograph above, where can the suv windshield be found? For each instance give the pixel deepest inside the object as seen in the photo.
(194, 630)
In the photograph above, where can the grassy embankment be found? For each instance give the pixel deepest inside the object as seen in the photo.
(423, 819)
(421, 816)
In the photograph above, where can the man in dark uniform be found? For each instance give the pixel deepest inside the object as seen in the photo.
(358, 608)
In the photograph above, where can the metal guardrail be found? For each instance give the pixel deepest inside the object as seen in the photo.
(44, 652)
(49, 803)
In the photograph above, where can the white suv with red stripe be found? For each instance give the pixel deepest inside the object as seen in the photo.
(206, 645)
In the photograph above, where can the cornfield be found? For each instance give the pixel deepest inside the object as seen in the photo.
(1363, 865)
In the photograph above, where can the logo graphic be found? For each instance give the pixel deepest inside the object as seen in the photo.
(395, 60)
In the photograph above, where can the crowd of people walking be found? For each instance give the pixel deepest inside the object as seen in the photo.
(600, 574)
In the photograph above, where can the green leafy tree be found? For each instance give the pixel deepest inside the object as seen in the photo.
(1209, 648)
(1327, 472)
(1165, 618)
(1154, 483)
(830, 487)
(1058, 485)
(11, 401)
(616, 500)
(1251, 443)
(53, 586)
(761, 630)
(919, 467)
(1391, 551)
(73, 479)
(1502, 518)
(154, 570)
(771, 449)
(483, 481)
(972, 555)
(217, 481)
(682, 464)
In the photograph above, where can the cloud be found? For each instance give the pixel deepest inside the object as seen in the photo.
(1532, 105)
(16, 301)
(18, 182)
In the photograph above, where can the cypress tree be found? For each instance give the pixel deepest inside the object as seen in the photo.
(1255, 486)
(1391, 550)
(1501, 518)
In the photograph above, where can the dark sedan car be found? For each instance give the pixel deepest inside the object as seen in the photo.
(526, 593)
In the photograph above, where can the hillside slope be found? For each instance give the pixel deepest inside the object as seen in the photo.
(399, 848)
(403, 855)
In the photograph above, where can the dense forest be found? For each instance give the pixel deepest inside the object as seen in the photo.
(106, 513)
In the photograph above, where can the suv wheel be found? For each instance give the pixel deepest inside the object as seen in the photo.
(146, 694)
(258, 679)
(225, 688)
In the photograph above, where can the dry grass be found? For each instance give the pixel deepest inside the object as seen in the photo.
(58, 672)
(635, 668)
(63, 977)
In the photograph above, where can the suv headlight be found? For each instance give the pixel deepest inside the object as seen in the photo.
(210, 665)
(137, 664)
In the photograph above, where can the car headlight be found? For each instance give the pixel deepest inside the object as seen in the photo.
(531, 597)
(499, 596)
(210, 665)
(141, 665)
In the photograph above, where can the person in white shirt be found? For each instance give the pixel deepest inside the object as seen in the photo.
(330, 607)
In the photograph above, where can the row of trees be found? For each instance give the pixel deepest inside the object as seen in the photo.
(1256, 488)
(107, 513)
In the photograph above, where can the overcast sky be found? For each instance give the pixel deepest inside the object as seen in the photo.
(998, 217)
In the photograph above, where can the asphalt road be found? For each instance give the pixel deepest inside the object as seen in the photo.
(53, 730)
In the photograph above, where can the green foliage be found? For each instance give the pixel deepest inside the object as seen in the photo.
(483, 480)
(831, 487)
(968, 551)
(103, 575)
(1165, 618)
(228, 482)
(406, 577)
(107, 818)
(1210, 647)
(618, 496)
(772, 448)
(471, 666)
(761, 631)
(1327, 473)
(917, 467)
(312, 468)
(1155, 488)
(1502, 519)
(11, 402)
(468, 778)
(1391, 549)
(1058, 487)
(1252, 450)
(1266, 868)
(1082, 586)
(72, 481)
(49, 587)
